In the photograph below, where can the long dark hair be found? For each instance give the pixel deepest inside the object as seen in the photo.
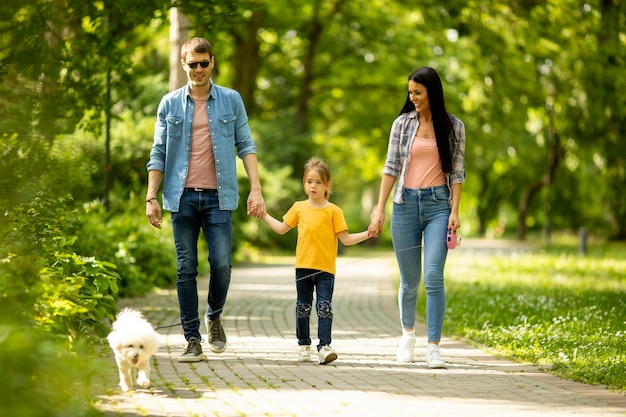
(429, 78)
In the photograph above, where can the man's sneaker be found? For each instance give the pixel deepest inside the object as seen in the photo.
(406, 348)
(327, 355)
(193, 353)
(433, 357)
(304, 353)
(216, 335)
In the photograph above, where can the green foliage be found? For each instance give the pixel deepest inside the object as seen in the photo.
(144, 257)
(77, 294)
(553, 308)
(66, 293)
(40, 377)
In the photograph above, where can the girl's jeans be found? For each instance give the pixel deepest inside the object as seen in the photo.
(425, 213)
(323, 282)
(200, 210)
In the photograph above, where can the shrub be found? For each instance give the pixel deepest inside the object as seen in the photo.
(40, 377)
(44, 280)
(145, 257)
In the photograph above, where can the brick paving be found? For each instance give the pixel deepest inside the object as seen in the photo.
(258, 374)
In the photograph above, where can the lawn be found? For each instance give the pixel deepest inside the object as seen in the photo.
(549, 306)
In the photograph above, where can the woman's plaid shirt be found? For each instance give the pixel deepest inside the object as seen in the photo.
(399, 151)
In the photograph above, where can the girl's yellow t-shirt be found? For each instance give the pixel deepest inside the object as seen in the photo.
(317, 234)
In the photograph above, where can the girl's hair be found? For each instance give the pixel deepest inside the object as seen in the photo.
(322, 168)
(198, 45)
(442, 122)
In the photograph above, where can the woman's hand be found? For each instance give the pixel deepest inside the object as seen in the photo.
(376, 223)
(453, 222)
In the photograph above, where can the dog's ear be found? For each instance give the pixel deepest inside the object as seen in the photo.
(115, 340)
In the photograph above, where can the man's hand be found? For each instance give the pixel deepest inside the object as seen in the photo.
(154, 213)
(255, 206)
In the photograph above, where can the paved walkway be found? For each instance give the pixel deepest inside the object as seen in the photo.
(258, 374)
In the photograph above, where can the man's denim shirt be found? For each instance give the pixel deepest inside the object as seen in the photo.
(170, 152)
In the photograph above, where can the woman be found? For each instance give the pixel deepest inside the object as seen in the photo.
(426, 155)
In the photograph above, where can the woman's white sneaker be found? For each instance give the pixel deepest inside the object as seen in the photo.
(433, 357)
(406, 348)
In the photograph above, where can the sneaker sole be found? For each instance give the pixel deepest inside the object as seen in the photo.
(214, 349)
(437, 366)
(330, 358)
(198, 358)
(217, 349)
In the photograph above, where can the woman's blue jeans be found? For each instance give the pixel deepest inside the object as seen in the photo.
(424, 214)
(323, 283)
(200, 210)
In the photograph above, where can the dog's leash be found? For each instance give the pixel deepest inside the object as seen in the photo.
(175, 324)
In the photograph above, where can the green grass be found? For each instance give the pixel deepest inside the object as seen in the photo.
(551, 307)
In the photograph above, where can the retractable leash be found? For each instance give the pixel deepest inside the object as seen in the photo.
(175, 325)
(453, 240)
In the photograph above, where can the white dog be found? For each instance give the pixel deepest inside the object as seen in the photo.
(134, 341)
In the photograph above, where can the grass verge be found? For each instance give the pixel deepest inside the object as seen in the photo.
(548, 306)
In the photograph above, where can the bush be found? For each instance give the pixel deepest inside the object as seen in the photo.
(145, 257)
(77, 294)
(44, 280)
(40, 377)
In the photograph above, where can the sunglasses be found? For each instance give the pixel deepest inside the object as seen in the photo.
(203, 64)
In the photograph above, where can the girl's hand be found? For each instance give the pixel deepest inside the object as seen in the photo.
(376, 223)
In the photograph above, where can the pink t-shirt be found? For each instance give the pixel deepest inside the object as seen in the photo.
(202, 172)
(425, 167)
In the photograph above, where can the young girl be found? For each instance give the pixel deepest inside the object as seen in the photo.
(320, 223)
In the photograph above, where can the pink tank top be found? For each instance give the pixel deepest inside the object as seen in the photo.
(425, 168)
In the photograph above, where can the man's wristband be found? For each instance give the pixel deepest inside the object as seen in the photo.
(150, 200)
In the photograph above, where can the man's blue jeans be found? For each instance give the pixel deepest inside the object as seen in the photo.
(323, 283)
(425, 213)
(200, 211)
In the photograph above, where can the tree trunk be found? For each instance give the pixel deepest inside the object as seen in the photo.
(530, 192)
(246, 60)
(554, 156)
(179, 33)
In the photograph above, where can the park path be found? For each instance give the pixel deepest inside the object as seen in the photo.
(259, 376)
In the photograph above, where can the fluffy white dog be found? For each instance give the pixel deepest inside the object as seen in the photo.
(134, 341)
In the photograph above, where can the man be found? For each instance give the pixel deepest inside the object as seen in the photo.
(198, 130)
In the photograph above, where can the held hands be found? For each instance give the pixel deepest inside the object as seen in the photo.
(376, 223)
(255, 206)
